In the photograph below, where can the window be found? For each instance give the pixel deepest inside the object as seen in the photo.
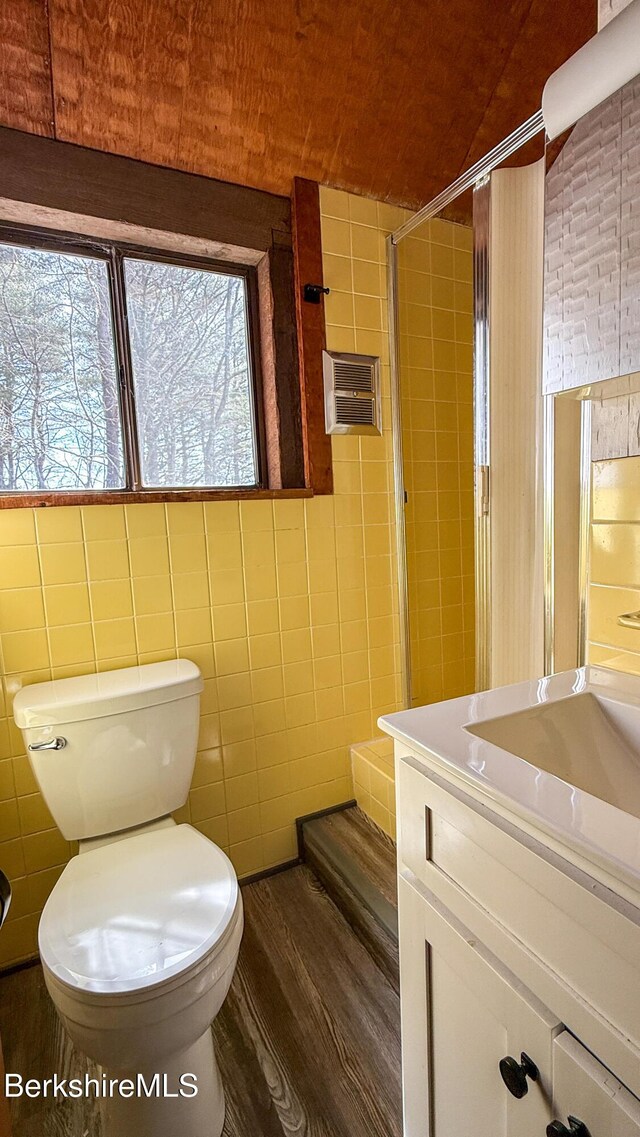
(122, 369)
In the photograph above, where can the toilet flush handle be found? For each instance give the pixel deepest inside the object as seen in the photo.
(50, 744)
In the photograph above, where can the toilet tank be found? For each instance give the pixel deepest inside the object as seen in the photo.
(126, 742)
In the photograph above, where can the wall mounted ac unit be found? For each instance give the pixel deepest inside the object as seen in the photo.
(351, 393)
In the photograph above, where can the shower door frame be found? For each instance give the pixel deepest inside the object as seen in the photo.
(476, 178)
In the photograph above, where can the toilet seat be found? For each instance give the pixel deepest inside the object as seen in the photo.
(141, 914)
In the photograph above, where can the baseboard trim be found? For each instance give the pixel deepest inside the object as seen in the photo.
(254, 877)
(11, 968)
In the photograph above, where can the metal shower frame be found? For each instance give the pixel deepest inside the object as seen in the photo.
(476, 178)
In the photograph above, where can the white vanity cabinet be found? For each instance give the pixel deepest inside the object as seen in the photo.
(583, 1089)
(464, 1014)
(508, 953)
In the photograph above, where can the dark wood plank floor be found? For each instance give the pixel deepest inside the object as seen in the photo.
(359, 839)
(36, 1046)
(356, 862)
(308, 1040)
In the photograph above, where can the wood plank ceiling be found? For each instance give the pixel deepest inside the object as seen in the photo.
(388, 99)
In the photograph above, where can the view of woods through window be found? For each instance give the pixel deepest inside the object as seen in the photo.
(59, 420)
(184, 360)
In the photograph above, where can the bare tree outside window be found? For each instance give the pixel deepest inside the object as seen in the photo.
(87, 329)
(191, 375)
(59, 416)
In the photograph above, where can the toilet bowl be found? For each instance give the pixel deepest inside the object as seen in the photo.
(140, 936)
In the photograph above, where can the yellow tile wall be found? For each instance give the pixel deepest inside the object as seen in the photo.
(289, 608)
(614, 564)
(374, 786)
(436, 380)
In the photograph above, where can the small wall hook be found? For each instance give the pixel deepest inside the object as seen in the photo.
(312, 293)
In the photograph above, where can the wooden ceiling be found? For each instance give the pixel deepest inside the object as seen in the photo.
(385, 98)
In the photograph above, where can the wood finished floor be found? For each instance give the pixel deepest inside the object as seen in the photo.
(356, 862)
(362, 841)
(308, 1041)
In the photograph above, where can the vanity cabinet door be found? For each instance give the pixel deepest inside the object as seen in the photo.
(462, 1013)
(584, 1090)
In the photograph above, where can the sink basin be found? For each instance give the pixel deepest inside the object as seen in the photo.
(559, 756)
(590, 741)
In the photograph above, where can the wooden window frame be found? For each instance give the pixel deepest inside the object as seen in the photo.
(109, 199)
(113, 254)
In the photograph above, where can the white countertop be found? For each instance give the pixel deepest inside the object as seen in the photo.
(577, 780)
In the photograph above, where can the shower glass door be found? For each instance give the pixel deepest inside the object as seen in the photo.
(435, 364)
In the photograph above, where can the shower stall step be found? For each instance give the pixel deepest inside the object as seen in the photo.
(356, 863)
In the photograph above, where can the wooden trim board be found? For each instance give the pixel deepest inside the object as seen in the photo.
(307, 252)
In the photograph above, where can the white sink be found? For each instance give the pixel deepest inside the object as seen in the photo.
(589, 740)
(561, 754)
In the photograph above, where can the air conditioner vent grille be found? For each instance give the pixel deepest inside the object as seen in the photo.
(352, 393)
(350, 411)
(353, 376)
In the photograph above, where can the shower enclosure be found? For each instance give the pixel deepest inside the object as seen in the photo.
(435, 387)
(465, 295)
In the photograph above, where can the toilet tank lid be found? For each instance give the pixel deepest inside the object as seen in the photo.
(108, 693)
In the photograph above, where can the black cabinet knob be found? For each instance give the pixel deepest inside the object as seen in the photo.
(576, 1129)
(514, 1074)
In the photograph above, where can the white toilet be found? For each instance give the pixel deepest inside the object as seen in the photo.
(140, 936)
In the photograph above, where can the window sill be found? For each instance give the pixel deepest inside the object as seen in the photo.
(36, 500)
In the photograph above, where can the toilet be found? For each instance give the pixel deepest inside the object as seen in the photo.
(140, 936)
